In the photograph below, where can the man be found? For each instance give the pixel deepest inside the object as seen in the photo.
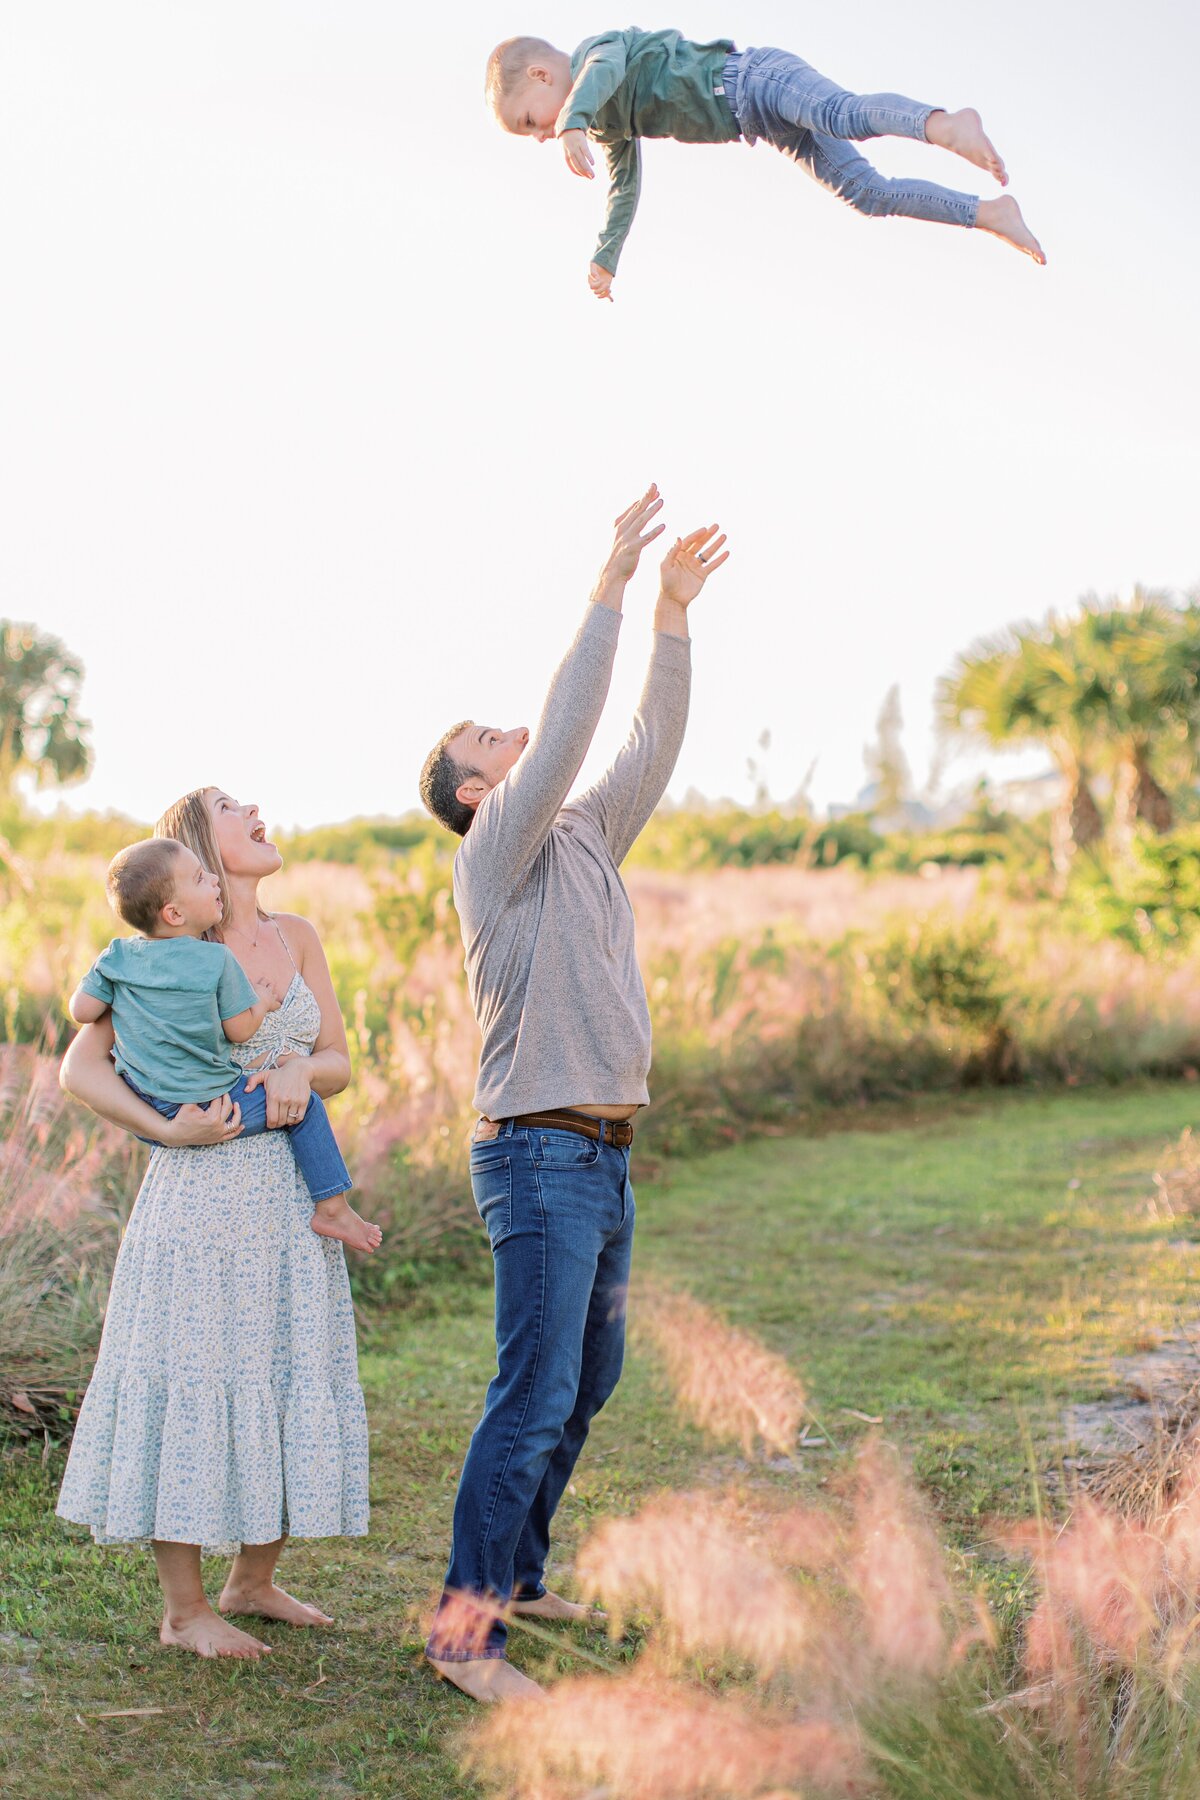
(554, 981)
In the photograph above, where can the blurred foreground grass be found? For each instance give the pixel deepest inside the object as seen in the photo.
(964, 1269)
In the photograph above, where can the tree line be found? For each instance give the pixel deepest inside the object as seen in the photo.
(1111, 691)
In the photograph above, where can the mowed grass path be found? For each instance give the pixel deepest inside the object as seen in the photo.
(963, 1271)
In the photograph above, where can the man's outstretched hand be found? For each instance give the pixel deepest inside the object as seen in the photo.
(600, 281)
(630, 538)
(689, 563)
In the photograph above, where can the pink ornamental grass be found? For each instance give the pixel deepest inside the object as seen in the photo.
(723, 1379)
(644, 1740)
(688, 1560)
(897, 1569)
(464, 1624)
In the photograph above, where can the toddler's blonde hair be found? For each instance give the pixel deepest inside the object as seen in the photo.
(141, 881)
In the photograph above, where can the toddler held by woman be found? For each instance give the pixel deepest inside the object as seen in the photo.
(178, 1000)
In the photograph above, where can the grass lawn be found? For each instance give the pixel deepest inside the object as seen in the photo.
(965, 1271)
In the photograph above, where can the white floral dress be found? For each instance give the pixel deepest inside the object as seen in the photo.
(225, 1407)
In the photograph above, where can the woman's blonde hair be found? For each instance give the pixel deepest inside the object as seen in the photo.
(190, 822)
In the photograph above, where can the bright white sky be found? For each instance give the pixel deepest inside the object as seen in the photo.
(312, 432)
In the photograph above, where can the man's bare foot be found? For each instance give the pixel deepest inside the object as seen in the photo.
(208, 1635)
(336, 1218)
(963, 132)
(271, 1603)
(1003, 219)
(556, 1609)
(486, 1679)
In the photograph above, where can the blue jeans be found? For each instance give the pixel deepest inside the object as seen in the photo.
(777, 96)
(559, 1213)
(313, 1144)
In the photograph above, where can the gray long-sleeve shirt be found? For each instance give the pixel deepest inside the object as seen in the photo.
(546, 921)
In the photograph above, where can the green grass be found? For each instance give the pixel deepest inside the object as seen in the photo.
(965, 1271)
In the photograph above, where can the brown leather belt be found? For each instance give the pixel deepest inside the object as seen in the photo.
(619, 1131)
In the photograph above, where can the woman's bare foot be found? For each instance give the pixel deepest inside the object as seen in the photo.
(556, 1609)
(202, 1631)
(271, 1603)
(486, 1679)
(336, 1218)
(963, 132)
(1003, 219)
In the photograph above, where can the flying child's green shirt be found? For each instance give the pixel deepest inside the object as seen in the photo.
(634, 84)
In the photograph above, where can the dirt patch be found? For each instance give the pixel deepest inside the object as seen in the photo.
(1130, 1448)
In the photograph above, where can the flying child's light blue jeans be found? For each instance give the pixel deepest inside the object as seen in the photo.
(779, 97)
(559, 1213)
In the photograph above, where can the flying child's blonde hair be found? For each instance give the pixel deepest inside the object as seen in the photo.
(507, 64)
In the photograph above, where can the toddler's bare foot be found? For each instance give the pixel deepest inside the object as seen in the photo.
(555, 1608)
(336, 1218)
(271, 1603)
(486, 1678)
(1003, 219)
(963, 132)
(208, 1635)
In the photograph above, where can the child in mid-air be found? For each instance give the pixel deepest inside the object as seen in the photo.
(626, 85)
(179, 1001)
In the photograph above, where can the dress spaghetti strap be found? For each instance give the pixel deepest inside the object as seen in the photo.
(284, 942)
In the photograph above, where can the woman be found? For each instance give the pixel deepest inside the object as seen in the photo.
(224, 1409)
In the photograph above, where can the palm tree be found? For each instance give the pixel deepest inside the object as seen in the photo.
(1029, 687)
(1144, 663)
(40, 726)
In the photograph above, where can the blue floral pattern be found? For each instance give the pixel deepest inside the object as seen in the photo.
(225, 1406)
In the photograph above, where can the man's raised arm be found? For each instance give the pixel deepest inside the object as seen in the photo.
(626, 795)
(514, 819)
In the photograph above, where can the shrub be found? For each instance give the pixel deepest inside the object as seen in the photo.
(1149, 900)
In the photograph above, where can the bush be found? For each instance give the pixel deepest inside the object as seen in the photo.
(367, 841)
(1149, 900)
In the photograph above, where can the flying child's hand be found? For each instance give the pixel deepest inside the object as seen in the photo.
(600, 281)
(689, 563)
(578, 153)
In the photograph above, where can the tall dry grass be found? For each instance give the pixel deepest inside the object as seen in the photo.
(775, 993)
(65, 1183)
(794, 1649)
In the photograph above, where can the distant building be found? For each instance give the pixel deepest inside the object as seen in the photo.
(1026, 796)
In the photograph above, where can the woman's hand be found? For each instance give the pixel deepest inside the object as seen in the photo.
(600, 281)
(215, 1123)
(288, 1085)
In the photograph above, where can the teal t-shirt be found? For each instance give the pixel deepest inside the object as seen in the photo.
(168, 998)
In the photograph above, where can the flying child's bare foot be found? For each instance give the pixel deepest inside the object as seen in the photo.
(336, 1218)
(1003, 219)
(271, 1603)
(208, 1635)
(963, 132)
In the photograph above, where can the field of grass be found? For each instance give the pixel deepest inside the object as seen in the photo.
(962, 1269)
